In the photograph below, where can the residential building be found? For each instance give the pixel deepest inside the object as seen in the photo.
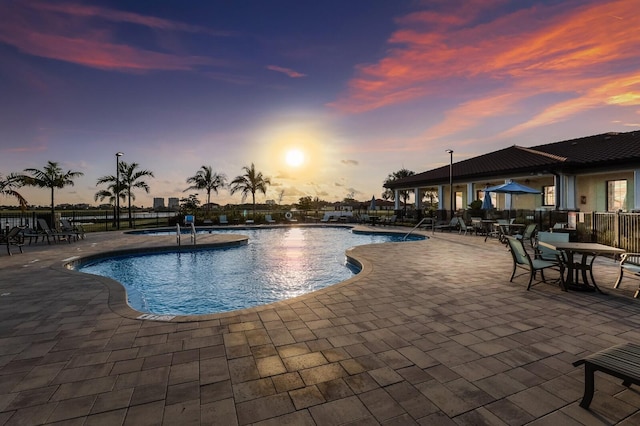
(158, 203)
(593, 173)
(173, 203)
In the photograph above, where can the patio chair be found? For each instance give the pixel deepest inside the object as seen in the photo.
(13, 238)
(464, 228)
(629, 262)
(529, 234)
(545, 253)
(222, 219)
(268, 218)
(453, 224)
(391, 220)
(72, 229)
(49, 234)
(521, 259)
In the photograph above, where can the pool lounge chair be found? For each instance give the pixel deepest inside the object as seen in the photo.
(49, 234)
(76, 230)
(453, 224)
(268, 219)
(12, 238)
(391, 220)
(222, 219)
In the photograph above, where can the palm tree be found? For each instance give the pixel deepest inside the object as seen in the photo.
(208, 180)
(389, 194)
(250, 182)
(109, 193)
(130, 179)
(51, 176)
(8, 187)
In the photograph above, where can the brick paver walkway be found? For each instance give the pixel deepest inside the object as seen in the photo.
(430, 332)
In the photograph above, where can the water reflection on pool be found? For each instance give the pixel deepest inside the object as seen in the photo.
(276, 264)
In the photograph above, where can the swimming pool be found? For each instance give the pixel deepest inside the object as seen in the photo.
(276, 264)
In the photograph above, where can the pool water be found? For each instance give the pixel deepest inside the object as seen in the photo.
(276, 264)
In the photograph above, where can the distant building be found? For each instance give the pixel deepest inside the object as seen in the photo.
(174, 203)
(158, 203)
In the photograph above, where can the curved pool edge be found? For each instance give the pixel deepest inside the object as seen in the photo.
(117, 299)
(117, 293)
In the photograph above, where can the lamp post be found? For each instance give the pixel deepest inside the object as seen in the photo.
(450, 152)
(118, 155)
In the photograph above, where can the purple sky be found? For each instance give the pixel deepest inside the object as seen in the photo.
(362, 88)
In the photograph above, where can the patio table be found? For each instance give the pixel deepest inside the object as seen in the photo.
(575, 270)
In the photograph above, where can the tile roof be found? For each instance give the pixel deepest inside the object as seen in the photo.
(567, 156)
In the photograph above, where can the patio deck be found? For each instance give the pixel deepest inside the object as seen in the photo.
(431, 332)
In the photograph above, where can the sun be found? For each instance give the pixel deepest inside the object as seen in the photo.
(294, 158)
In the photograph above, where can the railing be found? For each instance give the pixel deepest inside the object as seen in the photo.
(193, 233)
(415, 227)
(178, 233)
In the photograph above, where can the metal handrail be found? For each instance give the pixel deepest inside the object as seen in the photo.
(178, 233)
(193, 233)
(415, 227)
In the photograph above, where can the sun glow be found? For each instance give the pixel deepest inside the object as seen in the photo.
(294, 158)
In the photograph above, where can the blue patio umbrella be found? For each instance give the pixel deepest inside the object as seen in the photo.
(372, 206)
(510, 187)
(487, 204)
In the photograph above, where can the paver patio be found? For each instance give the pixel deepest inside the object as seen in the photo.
(431, 332)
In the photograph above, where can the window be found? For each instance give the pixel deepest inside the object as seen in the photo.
(549, 195)
(616, 195)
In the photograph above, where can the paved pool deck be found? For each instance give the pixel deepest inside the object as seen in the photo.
(429, 333)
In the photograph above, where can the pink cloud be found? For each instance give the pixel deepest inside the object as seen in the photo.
(582, 52)
(291, 73)
(69, 33)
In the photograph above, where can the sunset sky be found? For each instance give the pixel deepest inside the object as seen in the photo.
(360, 88)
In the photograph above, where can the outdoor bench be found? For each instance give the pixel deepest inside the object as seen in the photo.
(621, 361)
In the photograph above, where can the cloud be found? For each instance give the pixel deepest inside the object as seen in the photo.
(559, 59)
(291, 73)
(349, 162)
(85, 35)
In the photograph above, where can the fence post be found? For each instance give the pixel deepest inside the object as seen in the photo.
(616, 232)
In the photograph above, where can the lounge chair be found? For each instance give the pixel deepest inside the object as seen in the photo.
(268, 218)
(48, 233)
(32, 233)
(391, 220)
(453, 224)
(222, 219)
(521, 259)
(13, 238)
(78, 232)
(189, 219)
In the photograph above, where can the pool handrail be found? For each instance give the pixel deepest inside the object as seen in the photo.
(178, 233)
(414, 228)
(193, 233)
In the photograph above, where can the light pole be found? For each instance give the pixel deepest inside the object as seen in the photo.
(450, 151)
(118, 155)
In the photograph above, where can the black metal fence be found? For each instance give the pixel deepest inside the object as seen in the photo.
(91, 220)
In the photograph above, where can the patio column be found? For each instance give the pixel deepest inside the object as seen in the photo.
(636, 189)
(396, 193)
(559, 185)
(570, 192)
(507, 199)
(441, 204)
(416, 195)
(470, 194)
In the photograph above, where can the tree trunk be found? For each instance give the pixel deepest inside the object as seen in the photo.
(53, 212)
(130, 220)
(253, 196)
